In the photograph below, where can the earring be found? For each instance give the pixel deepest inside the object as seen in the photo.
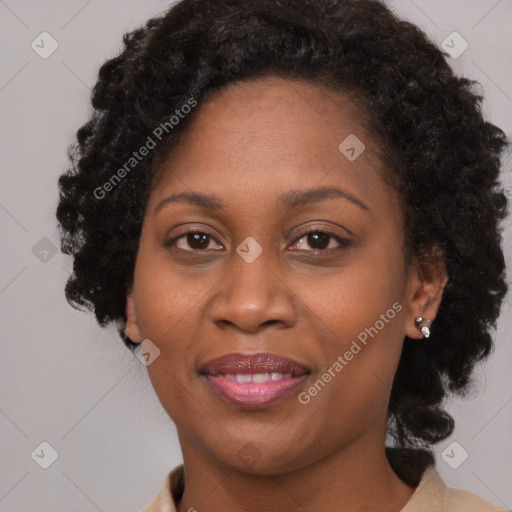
(424, 326)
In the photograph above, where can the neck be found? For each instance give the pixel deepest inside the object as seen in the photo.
(356, 477)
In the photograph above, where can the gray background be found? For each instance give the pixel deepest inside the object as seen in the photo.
(68, 382)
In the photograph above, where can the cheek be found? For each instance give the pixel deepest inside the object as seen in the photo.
(166, 296)
(360, 312)
(169, 316)
(168, 309)
(355, 297)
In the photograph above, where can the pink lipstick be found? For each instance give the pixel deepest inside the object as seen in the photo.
(254, 380)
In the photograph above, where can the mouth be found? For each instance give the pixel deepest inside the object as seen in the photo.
(254, 380)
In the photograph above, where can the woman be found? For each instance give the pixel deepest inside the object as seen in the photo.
(291, 209)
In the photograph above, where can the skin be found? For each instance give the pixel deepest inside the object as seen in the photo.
(248, 144)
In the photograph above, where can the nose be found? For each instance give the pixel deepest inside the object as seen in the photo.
(252, 296)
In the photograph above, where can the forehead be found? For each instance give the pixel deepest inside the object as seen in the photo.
(257, 137)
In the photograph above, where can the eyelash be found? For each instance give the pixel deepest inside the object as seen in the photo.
(343, 242)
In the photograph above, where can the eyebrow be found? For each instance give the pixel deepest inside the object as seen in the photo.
(290, 200)
(297, 198)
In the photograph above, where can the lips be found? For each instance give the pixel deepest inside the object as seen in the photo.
(252, 364)
(254, 380)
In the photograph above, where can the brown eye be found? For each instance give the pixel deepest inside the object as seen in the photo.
(191, 241)
(197, 240)
(320, 241)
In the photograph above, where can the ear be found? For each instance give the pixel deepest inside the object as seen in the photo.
(132, 326)
(426, 282)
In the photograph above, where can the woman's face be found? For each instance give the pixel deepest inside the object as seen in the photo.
(261, 163)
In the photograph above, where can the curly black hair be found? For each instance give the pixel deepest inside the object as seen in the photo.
(443, 157)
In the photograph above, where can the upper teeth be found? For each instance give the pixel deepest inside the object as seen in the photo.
(256, 377)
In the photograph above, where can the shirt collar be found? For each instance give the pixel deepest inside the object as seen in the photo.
(429, 495)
